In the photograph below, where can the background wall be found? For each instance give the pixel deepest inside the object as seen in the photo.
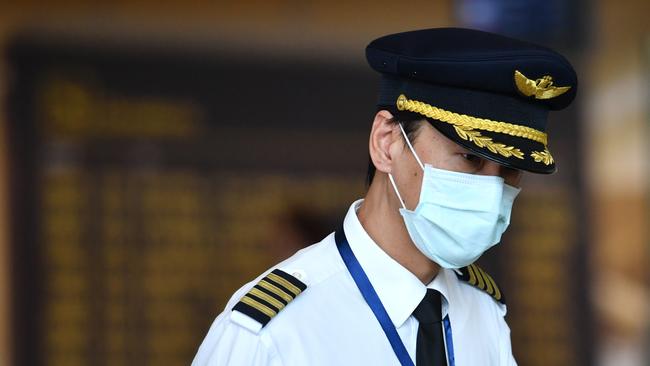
(605, 217)
(617, 93)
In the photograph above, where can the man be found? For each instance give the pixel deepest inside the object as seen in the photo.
(461, 114)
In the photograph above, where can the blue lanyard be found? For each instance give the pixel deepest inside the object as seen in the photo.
(371, 297)
(373, 301)
(450, 343)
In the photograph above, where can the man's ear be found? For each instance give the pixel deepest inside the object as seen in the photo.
(382, 136)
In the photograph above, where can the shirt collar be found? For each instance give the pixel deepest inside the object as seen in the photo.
(399, 290)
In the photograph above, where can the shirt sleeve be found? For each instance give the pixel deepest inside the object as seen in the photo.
(507, 358)
(228, 343)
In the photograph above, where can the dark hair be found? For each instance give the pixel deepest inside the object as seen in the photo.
(411, 123)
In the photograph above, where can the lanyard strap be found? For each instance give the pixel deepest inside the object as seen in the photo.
(373, 301)
(371, 297)
(450, 343)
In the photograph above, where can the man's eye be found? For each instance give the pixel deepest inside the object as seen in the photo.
(471, 158)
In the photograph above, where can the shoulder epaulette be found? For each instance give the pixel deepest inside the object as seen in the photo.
(476, 277)
(269, 296)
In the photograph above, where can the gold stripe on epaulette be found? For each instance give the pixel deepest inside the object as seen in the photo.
(288, 285)
(488, 284)
(268, 298)
(497, 292)
(258, 306)
(477, 277)
(481, 283)
(271, 287)
(472, 276)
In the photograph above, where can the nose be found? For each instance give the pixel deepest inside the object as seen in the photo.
(510, 176)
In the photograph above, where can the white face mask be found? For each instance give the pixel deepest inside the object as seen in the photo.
(459, 215)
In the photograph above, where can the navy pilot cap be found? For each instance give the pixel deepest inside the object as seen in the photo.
(489, 93)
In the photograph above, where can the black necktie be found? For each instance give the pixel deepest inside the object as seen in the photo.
(430, 349)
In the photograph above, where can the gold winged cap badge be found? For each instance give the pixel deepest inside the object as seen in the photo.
(541, 88)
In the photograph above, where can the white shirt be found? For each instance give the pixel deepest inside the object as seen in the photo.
(329, 323)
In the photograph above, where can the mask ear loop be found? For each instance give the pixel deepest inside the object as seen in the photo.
(411, 146)
(390, 176)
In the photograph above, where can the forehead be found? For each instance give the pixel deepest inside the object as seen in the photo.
(429, 136)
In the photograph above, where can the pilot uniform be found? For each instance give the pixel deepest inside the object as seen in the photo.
(344, 301)
(329, 323)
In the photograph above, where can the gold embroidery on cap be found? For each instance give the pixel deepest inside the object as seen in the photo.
(456, 119)
(542, 157)
(541, 88)
(479, 140)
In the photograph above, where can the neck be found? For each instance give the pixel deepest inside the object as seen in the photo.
(379, 215)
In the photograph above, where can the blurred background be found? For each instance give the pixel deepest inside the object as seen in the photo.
(157, 155)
